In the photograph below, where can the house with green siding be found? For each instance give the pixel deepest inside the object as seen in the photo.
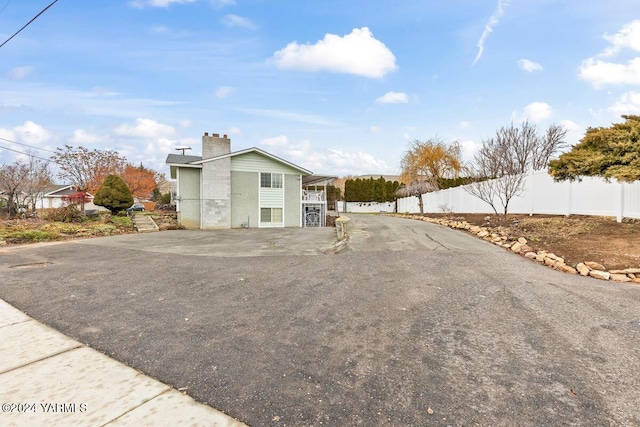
(244, 189)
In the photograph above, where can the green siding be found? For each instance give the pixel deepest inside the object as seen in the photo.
(256, 162)
(244, 199)
(189, 193)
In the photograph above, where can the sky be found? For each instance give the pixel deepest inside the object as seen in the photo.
(337, 87)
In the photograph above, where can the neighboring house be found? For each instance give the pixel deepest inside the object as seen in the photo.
(247, 188)
(53, 197)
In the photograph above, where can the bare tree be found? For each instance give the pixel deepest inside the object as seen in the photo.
(22, 182)
(87, 169)
(12, 178)
(38, 178)
(499, 168)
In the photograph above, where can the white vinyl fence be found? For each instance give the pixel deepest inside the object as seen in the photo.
(367, 207)
(541, 195)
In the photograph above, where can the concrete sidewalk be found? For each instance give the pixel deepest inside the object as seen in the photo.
(49, 379)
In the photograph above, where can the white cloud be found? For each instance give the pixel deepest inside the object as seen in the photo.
(356, 53)
(529, 66)
(276, 141)
(217, 4)
(537, 111)
(185, 123)
(82, 137)
(628, 103)
(627, 37)
(223, 91)
(20, 73)
(600, 72)
(488, 28)
(469, 148)
(238, 21)
(464, 124)
(145, 128)
(393, 98)
(287, 115)
(139, 4)
(329, 160)
(375, 129)
(234, 131)
(570, 125)
(31, 133)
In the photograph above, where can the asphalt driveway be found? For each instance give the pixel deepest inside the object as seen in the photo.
(411, 324)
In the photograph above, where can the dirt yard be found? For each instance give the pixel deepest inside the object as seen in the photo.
(576, 239)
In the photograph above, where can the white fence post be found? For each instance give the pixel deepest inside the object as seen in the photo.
(569, 201)
(621, 204)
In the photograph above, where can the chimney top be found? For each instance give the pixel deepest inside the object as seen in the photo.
(225, 135)
(215, 135)
(206, 134)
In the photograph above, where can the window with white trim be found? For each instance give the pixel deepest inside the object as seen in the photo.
(271, 215)
(270, 180)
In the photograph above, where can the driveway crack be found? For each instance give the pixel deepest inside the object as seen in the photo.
(435, 241)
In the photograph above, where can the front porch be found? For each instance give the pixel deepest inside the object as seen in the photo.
(314, 208)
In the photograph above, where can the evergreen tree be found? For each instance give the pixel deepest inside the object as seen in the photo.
(612, 152)
(114, 194)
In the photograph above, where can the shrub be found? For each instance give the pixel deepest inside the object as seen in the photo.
(164, 207)
(30, 236)
(69, 213)
(114, 194)
(121, 221)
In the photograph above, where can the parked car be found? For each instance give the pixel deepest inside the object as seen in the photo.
(135, 207)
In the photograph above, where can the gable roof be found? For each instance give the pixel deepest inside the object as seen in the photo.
(197, 161)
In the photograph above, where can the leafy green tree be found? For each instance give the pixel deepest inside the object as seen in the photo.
(113, 194)
(612, 152)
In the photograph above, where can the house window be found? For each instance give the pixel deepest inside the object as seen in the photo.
(271, 215)
(271, 180)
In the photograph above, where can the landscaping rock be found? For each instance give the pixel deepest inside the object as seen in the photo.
(483, 233)
(549, 261)
(626, 271)
(595, 266)
(540, 257)
(598, 274)
(531, 255)
(522, 240)
(566, 268)
(620, 278)
(516, 247)
(583, 269)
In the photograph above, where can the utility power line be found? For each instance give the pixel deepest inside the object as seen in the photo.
(26, 154)
(5, 5)
(27, 24)
(27, 145)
